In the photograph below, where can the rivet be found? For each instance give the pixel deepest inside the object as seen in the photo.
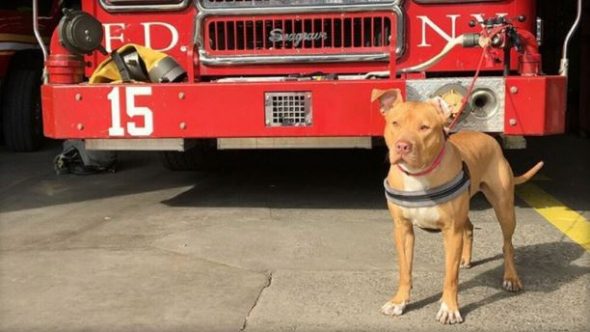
(181, 95)
(183, 125)
(513, 90)
(183, 48)
(78, 96)
(80, 126)
(512, 122)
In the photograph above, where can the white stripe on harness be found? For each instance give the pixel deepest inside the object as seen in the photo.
(431, 197)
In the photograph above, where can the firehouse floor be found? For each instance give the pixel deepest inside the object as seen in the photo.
(275, 241)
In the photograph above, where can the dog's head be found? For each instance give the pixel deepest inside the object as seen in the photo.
(414, 131)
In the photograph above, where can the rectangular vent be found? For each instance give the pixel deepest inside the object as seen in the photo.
(288, 109)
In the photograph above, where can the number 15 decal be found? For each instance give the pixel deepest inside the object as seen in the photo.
(133, 129)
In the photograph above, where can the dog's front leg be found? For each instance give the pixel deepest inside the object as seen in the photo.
(404, 243)
(453, 243)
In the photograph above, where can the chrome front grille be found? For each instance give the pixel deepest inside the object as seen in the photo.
(288, 109)
(268, 35)
(232, 32)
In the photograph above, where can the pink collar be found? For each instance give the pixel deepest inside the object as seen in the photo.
(434, 165)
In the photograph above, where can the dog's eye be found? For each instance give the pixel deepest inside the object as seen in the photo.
(424, 127)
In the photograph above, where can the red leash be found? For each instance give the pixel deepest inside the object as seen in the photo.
(469, 91)
(472, 85)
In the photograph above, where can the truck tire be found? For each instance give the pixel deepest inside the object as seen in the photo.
(22, 124)
(202, 157)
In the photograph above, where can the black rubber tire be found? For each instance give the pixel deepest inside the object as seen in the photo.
(22, 121)
(202, 157)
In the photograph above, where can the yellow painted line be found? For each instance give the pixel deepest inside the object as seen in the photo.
(568, 221)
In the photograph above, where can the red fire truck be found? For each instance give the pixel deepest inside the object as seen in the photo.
(294, 74)
(21, 66)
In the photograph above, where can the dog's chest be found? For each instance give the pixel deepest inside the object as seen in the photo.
(423, 217)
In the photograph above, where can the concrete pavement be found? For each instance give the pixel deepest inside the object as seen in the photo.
(274, 241)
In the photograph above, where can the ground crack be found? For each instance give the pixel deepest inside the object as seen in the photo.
(268, 283)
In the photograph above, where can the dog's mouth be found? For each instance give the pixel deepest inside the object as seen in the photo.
(394, 160)
(407, 160)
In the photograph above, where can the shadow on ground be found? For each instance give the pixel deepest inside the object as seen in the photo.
(333, 179)
(536, 266)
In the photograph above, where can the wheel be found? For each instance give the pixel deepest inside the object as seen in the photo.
(22, 124)
(203, 156)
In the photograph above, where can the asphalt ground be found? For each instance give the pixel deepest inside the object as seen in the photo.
(275, 241)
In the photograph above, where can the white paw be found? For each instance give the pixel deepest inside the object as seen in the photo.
(465, 265)
(446, 316)
(512, 285)
(392, 309)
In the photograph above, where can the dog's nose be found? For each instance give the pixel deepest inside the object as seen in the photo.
(403, 147)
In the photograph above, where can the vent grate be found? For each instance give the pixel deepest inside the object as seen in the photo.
(288, 109)
(359, 32)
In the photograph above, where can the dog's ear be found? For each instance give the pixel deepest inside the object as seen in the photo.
(387, 98)
(442, 107)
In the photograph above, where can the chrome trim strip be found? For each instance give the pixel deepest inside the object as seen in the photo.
(276, 59)
(262, 5)
(204, 12)
(143, 8)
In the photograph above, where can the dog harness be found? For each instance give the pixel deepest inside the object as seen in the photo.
(430, 197)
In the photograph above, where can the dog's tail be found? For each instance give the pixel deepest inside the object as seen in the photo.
(529, 174)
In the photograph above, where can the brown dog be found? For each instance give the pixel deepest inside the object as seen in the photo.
(423, 159)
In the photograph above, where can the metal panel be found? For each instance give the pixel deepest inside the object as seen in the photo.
(494, 122)
(294, 143)
(150, 144)
(535, 105)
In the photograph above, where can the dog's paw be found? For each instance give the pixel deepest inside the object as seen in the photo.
(512, 284)
(393, 309)
(447, 316)
(465, 264)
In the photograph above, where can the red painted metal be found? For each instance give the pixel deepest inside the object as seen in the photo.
(535, 105)
(424, 41)
(428, 26)
(170, 31)
(237, 109)
(62, 66)
(216, 110)
(530, 60)
(202, 108)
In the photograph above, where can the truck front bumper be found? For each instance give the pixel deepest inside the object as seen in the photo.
(533, 106)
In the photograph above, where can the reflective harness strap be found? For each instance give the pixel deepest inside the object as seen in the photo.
(430, 197)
